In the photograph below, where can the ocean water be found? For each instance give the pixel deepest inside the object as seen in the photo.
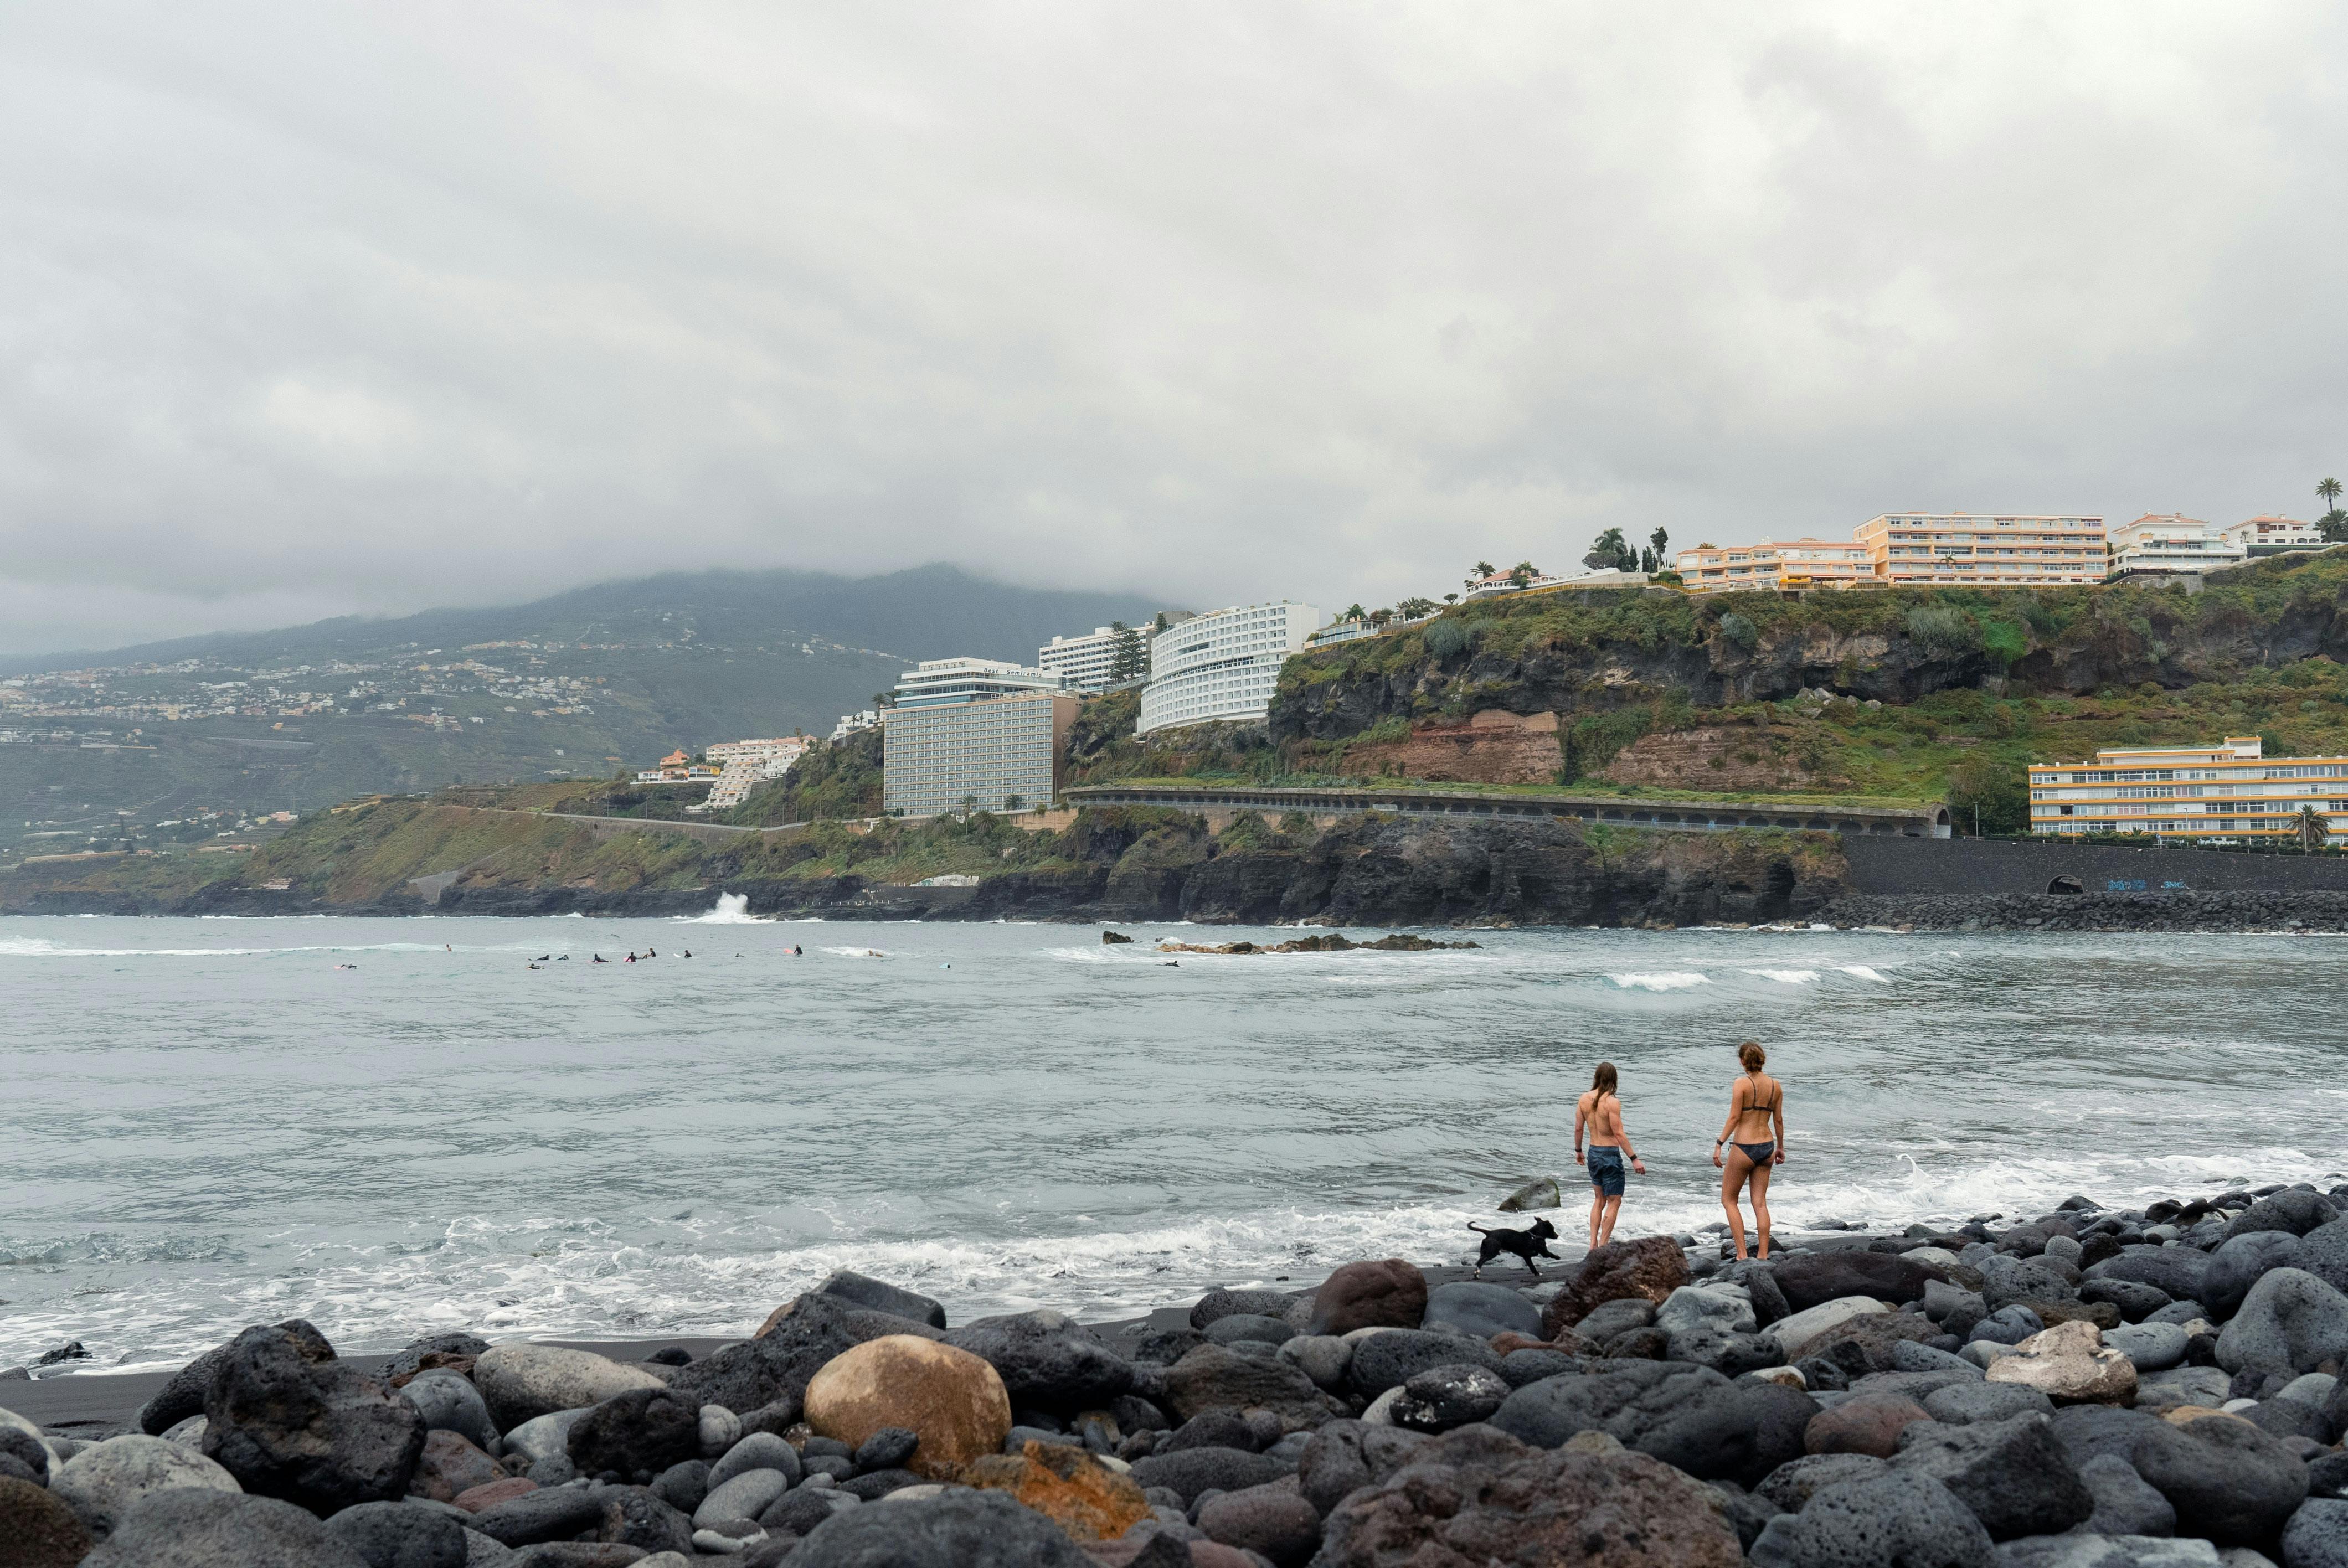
(209, 1123)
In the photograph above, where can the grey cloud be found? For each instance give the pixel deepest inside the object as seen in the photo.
(308, 310)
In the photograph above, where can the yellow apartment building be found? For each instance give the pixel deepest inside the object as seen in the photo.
(1782, 566)
(2230, 791)
(1984, 551)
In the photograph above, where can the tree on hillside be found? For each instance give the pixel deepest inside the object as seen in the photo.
(1483, 569)
(1987, 796)
(1610, 550)
(1663, 543)
(1450, 599)
(1648, 562)
(1354, 611)
(1126, 658)
(2334, 527)
(1378, 618)
(1523, 573)
(2313, 827)
(2328, 492)
(1413, 608)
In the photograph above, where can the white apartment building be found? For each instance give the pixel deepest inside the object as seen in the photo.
(1984, 551)
(2267, 535)
(1222, 665)
(2232, 791)
(865, 719)
(747, 765)
(2173, 543)
(1085, 662)
(938, 682)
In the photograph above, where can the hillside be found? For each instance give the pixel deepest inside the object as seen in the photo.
(188, 740)
(1907, 692)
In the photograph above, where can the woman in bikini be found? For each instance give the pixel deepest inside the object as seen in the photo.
(1756, 1101)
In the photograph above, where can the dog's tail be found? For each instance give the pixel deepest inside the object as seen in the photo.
(1479, 1230)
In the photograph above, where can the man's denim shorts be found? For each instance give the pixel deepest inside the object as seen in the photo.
(1606, 1171)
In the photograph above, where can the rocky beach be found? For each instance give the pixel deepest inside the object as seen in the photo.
(2088, 1387)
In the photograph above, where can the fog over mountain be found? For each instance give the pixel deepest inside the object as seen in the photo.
(318, 311)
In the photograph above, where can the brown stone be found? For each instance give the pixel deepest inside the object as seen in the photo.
(1649, 1268)
(1870, 1424)
(948, 1398)
(36, 1529)
(488, 1495)
(1508, 1342)
(1388, 1294)
(1066, 1485)
(435, 1361)
(1468, 1499)
(450, 1465)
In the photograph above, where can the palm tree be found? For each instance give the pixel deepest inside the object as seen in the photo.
(2314, 828)
(2328, 492)
(1354, 611)
(1484, 569)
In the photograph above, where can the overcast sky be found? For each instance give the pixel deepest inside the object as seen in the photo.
(309, 308)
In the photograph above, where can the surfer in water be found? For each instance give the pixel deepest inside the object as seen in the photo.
(602, 959)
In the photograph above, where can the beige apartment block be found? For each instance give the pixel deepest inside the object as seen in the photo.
(1771, 566)
(1985, 550)
(2231, 791)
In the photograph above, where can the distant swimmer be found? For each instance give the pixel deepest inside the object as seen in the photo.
(564, 959)
(530, 966)
(632, 957)
(649, 953)
(797, 952)
(346, 965)
(1173, 963)
(543, 957)
(688, 952)
(602, 959)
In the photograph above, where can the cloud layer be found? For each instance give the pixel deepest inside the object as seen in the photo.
(308, 309)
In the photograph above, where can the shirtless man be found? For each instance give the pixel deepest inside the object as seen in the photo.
(1601, 1108)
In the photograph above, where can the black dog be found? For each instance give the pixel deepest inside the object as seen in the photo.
(1525, 1244)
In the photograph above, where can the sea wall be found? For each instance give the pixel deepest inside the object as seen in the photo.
(1989, 868)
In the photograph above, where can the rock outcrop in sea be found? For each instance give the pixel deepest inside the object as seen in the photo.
(2088, 1388)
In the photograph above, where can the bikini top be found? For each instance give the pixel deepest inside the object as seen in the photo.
(1777, 1098)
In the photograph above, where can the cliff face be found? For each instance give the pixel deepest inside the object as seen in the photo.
(1601, 649)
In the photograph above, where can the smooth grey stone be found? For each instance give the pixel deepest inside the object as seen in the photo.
(105, 1480)
(449, 1403)
(2236, 1266)
(194, 1527)
(2181, 1312)
(2125, 1503)
(544, 1437)
(759, 1450)
(2183, 1386)
(1961, 1404)
(746, 1496)
(1323, 1358)
(2153, 1347)
(1907, 1356)
(2289, 1322)
(1479, 1310)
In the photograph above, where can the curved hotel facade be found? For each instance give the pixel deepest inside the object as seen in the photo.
(1222, 665)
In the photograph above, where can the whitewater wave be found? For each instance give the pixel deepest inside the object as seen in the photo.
(1785, 976)
(1669, 981)
(732, 909)
(1865, 972)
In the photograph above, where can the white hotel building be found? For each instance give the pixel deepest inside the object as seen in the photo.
(1083, 662)
(2233, 791)
(1222, 665)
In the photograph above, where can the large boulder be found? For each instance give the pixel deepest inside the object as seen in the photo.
(2291, 1322)
(401, 1535)
(2070, 1364)
(1689, 1417)
(638, 1434)
(184, 1396)
(449, 1403)
(1961, 1404)
(879, 1296)
(1047, 1360)
(1388, 1294)
(1476, 1498)
(102, 1482)
(37, 1527)
(1065, 1485)
(2125, 1503)
(771, 1371)
(2227, 1480)
(1864, 1344)
(2178, 1270)
(2317, 1536)
(2293, 1210)
(1758, 1280)
(196, 1528)
(1213, 1378)
(1383, 1361)
(1479, 1310)
(322, 1434)
(1791, 1485)
(953, 1400)
(1901, 1517)
(520, 1381)
(2237, 1265)
(959, 1528)
(1647, 1269)
(2013, 1474)
(820, 1310)
(550, 1514)
(1815, 1278)
(1224, 1302)
(2323, 1253)
(1442, 1398)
